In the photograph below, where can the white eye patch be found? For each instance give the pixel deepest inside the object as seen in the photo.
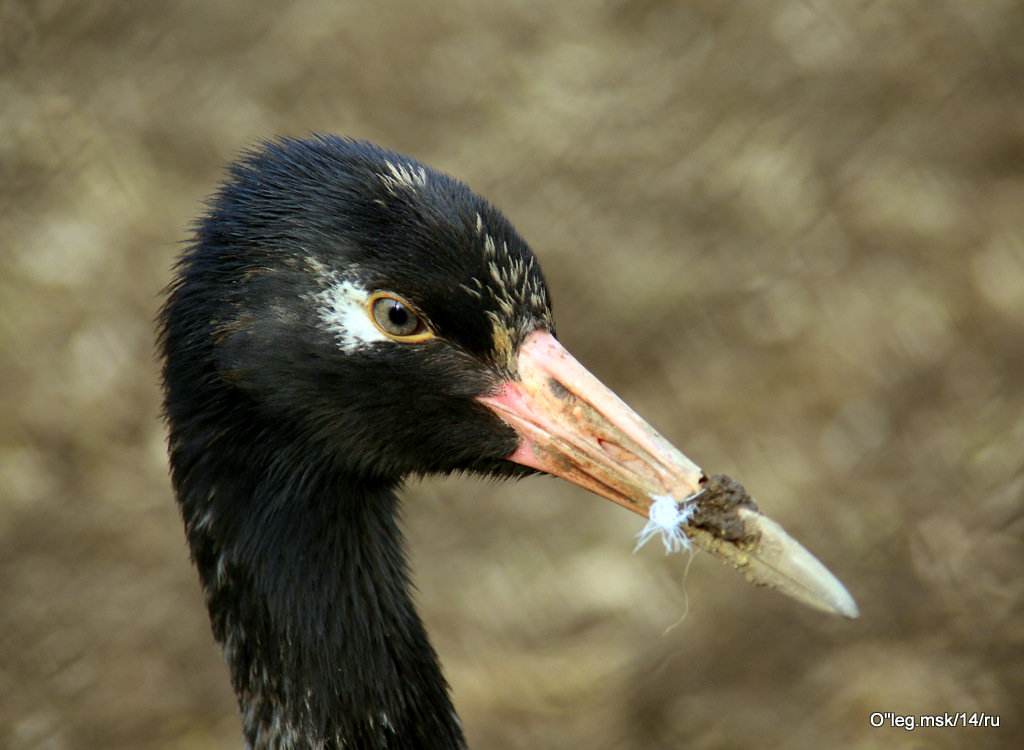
(342, 307)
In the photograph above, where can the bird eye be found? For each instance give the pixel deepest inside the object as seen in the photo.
(394, 317)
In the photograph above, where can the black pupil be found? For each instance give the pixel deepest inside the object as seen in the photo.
(398, 315)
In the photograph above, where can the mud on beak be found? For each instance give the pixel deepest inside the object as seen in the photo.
(572, 426)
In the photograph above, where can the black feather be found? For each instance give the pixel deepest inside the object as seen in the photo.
(286, 449)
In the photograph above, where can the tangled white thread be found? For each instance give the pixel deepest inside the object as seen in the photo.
(666, 517)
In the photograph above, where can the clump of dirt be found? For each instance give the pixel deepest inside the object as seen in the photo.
(717, 505)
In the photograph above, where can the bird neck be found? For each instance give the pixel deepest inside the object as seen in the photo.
(306, 582)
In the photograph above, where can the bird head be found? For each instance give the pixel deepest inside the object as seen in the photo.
(391, 321)
(347, 315)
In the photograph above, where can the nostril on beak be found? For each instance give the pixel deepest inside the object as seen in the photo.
(559, 390)
(620, 454)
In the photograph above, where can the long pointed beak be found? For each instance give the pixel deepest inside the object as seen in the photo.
(572, 426)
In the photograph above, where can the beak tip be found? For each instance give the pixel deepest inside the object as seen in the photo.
(780, 562)
(845, 606)
(831, 597)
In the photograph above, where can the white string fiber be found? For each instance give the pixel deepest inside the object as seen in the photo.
(666, 517)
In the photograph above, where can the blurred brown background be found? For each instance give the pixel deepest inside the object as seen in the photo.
(790, 234)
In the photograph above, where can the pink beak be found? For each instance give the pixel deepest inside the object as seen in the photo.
(574, 427)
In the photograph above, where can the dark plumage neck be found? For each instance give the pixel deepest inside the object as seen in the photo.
(306, 581)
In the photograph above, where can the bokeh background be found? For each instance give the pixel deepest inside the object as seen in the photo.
(790, 234)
